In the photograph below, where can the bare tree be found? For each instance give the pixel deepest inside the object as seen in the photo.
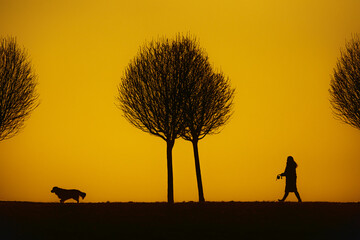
(345, 84)
(152, 91)
(18, 97)
(208, 107)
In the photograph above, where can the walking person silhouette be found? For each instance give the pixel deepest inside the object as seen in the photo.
(290, 174)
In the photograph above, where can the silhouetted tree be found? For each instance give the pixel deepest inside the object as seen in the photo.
(345, 84)
(18, 97)
(208, 107)
(153, 90)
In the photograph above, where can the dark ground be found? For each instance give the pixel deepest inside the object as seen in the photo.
(211, 220)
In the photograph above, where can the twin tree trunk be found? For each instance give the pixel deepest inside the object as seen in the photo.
(198, 172)
(169, 147)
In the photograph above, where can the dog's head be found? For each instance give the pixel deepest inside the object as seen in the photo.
(54, 189)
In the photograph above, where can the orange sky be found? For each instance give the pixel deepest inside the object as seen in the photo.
(278, 54)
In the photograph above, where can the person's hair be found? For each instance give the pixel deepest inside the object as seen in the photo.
(291, 161)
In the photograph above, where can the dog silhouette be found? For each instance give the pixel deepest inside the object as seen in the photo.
(65, 194)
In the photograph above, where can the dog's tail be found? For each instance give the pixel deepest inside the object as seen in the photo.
(82, 194)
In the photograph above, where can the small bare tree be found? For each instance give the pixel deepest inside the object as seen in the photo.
(18, 97)
(345, 84)
(152, 91)
(208, 107)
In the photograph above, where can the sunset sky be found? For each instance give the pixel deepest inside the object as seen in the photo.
(279, 55)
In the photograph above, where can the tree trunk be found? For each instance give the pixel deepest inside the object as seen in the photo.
(169, 147)
(198, 172)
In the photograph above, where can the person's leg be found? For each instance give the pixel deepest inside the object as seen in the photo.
(285, 196)
(298, 196)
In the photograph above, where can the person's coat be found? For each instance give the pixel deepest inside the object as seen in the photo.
(290, 174)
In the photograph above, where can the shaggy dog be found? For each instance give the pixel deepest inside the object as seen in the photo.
(65, 194)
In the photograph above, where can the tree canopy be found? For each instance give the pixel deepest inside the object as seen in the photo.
(18, 97)
(345, 84)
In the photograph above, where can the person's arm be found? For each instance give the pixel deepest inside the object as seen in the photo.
(284, 173)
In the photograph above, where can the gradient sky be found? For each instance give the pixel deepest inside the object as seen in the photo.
(278, 54)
